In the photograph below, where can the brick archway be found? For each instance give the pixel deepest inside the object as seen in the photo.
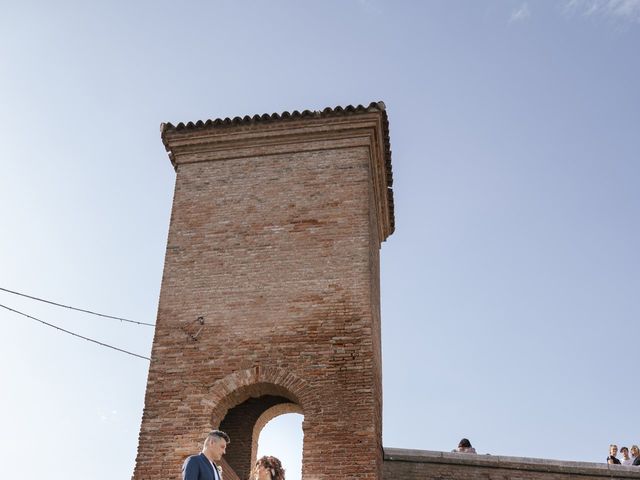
(243, 402)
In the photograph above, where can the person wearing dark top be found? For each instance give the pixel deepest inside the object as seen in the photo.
(203, 466)
(635, 453)
(612, 459)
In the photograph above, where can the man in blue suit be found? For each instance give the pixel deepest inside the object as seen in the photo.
(203, 466)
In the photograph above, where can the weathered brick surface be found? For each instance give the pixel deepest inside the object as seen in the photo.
(402, 464)
(274, 240)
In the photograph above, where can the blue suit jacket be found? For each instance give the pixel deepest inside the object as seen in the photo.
(198, 467)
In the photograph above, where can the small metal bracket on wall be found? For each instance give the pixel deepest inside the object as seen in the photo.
(193, 329)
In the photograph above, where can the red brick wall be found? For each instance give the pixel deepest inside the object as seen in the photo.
(426, 465)
(279, 253)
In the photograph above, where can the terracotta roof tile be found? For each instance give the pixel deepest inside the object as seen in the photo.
(247, 119)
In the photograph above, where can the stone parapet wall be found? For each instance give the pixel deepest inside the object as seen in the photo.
(402, 464)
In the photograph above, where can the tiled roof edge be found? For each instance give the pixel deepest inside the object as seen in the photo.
(296, 115)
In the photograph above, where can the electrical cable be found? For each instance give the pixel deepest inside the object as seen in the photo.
(74, 308)
(74, 334)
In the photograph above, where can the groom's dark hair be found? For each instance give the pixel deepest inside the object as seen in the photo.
(219, 434)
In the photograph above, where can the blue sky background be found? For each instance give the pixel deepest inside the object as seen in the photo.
(510, 290)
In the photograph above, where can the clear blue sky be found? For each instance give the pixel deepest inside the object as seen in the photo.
(510, 290)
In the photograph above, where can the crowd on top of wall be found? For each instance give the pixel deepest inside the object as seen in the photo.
(628, 457)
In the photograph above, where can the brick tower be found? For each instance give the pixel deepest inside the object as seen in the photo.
(270, 297)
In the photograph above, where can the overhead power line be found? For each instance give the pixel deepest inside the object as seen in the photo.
(74, 334)
(74, 308)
